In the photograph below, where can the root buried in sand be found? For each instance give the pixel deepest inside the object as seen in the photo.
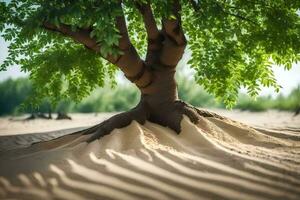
(170, 116)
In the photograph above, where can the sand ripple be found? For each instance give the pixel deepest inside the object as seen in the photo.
(214, 160)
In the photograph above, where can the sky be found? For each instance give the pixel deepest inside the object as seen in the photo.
(287, 79)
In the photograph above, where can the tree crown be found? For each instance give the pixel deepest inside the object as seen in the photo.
(233, 43)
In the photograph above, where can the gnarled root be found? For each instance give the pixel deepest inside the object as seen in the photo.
(169, 116)
(118, 121)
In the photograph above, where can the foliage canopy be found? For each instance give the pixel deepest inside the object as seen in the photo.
(233, 43)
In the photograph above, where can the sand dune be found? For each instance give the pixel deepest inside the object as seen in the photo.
(213, 160)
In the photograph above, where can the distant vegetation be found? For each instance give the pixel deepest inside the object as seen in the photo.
(125, 96)
(198, 97)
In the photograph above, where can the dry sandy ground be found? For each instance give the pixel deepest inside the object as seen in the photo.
(271, 119)
(218, 159)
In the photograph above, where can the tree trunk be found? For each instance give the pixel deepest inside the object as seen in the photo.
(159, 104)
(160, 98)
(297, 111)
(155, 78)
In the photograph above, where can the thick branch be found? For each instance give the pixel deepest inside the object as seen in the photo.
(124, 42)
(155, 38)
(174, 42)
(130, 62)
(172, 27)
(81, 35)
(149, 21)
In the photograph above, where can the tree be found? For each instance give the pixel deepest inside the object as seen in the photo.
(13, 93)
(69, 47)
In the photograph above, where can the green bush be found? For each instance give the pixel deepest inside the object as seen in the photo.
(258, 105)
(291, 102)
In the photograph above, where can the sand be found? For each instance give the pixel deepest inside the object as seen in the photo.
(214, 160)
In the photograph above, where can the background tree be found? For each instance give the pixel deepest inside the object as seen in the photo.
(69, 47)
(13, 93)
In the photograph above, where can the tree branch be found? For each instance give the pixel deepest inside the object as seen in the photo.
(81, 35)
(129, 61)
(240, 17)
(155, 37)
(149, 21)
(124, 42)
(130, 56)
(172, 27)
(235, 15)
(174, 40)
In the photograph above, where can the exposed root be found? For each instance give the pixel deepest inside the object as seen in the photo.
(118, 121)
(203, 113)
(169, 116)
